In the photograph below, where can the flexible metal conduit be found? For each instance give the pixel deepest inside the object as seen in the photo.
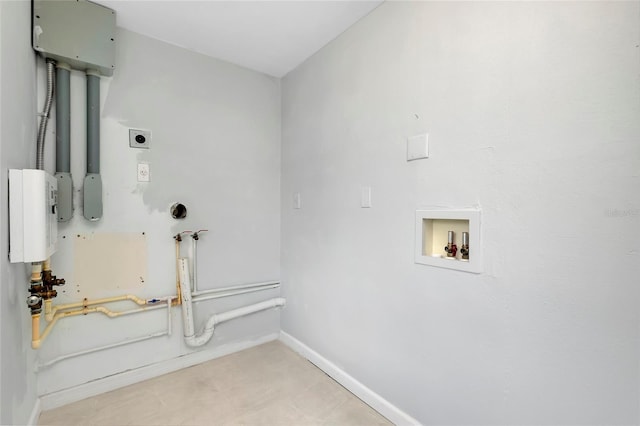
(190, 337)
(42, 129)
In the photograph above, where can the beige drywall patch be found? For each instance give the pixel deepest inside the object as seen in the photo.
(110, 261)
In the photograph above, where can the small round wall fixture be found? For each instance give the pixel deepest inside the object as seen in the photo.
(178, 211)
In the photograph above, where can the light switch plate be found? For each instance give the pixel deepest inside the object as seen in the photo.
(297, 200)
(418, 147)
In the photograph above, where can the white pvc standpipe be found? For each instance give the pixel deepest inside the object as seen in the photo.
(190, 337)
(194, 255)
(187, 307)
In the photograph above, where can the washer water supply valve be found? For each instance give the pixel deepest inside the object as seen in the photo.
(196, 235)
(41, 288)
(464, 250)
(451, 249)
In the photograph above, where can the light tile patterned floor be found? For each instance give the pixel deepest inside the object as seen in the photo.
(266, 385)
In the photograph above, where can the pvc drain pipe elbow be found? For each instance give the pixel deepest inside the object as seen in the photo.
(196, 340)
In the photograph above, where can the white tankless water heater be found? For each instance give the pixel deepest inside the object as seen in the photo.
(33, 220)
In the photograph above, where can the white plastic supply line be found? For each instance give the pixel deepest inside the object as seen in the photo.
(245, 310)
(167, 332)
(190, 337)
(100, 348)
(194, 256)
(169, 326)
(266, 284)
(197, 299)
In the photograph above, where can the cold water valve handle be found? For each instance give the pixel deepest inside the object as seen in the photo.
(464, 250)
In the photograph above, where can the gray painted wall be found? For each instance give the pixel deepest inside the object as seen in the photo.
(532, 111)
(216, 147)
(17, 150)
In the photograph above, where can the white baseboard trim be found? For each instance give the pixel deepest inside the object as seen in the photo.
(106, 384)
(375, 401)
(35, 413)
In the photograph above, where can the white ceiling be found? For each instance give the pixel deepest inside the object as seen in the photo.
(272, 37)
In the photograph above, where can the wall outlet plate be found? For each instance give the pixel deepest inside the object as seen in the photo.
(139, 138)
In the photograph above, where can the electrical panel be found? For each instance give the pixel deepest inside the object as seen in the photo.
(79, 33)
(33, 220)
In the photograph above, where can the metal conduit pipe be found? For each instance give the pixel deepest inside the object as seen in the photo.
(190, 337)
(42, 129)
(92, 191)
(93, 122)
(63, 117)
(63, 142)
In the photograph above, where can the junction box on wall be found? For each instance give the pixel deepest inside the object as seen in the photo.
(33, 220)
(79, 33)
(76, 35)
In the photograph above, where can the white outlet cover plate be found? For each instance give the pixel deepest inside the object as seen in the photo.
(418, 147)
(139, 138)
